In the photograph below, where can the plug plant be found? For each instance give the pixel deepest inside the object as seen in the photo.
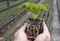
(35, 26)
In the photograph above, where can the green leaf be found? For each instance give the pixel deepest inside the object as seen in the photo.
(35, 9)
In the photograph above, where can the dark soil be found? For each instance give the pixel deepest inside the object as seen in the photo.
(34, 28)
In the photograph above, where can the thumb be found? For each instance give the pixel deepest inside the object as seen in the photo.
(45, 29)
(23, 27)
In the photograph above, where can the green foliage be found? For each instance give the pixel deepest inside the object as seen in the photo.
(34, 9)
(43, 7)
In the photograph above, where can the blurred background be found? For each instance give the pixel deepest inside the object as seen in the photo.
(12, 18)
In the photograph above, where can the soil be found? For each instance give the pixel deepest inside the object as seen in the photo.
(34, 28)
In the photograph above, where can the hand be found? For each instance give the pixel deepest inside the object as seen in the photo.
(45, 36)
(20, 35)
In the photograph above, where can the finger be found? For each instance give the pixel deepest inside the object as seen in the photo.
(45, 29)
(23, 27)
(40, 37)
(20, 31)
(44, 26)
(21, 36)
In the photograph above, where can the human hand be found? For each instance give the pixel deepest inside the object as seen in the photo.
(45, 36)
(20, 35)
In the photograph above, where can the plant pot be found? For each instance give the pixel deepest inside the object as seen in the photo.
(34, 28)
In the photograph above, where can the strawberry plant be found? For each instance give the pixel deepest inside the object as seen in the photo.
(35, 26)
